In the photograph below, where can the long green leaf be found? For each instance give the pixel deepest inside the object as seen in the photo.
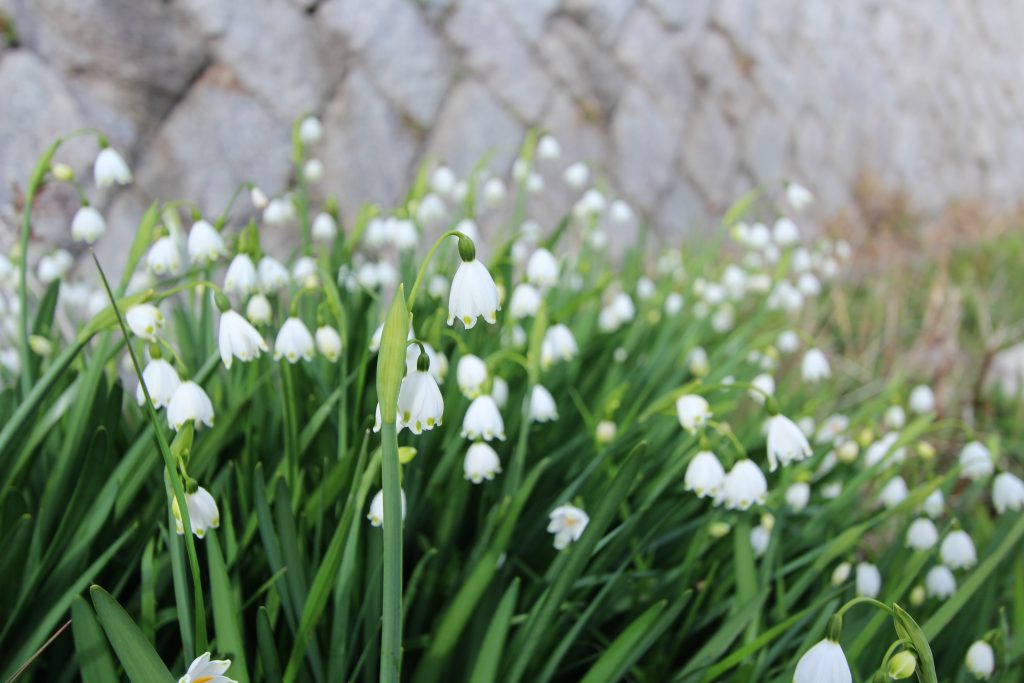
(140, 661)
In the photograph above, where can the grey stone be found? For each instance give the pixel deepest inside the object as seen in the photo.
(529, 16)
(682, 213)
(645, 147)
(582, 66)
(709, 152)
(357, 22)
(603, 18)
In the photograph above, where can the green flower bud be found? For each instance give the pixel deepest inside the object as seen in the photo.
(902, 665)
(467, 250)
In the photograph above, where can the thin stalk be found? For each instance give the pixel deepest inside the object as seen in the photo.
(391, 640)
(291, 429)
(426, 262)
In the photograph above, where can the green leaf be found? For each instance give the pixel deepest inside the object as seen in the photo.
(267, 647)
(485, 670)
(625, 650)
(136, 654)
(225, 611)
(391, 358)
(91, 650)
(908, 630)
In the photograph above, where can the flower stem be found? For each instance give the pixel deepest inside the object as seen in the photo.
(391, 642)
(426, 262)
(291, 429)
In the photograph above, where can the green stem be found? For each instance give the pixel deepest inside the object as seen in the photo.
(291, 429)
(863, 599)
(302, 203)
(391, 641)
(426, 262)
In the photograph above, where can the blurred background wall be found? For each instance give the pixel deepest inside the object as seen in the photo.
(685, 103)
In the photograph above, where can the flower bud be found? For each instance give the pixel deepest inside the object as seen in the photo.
(902, 665)
(62, 172)
(918, 595)
(719, 529)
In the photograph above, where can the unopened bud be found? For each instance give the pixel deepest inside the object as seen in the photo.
(719, 529)
(62, 172)
(902, 665)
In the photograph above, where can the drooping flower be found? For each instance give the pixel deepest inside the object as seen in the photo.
(976, 461)
(499, 391)
(957, 550)
(568, 523)
(473, 294)
(743, 486)
(814, 367)
(542, 405)
(1007, 492)
(548, 148)
(786, 442)
(241, 277)
(311, 131)
(88, 225)
(237, 338)
(420, 404)
(110, 169)
(798, 196)
(922, 399)
(761, 387)
(205, 670)
(694, 412)
(205, 245)
(161, 381)
(704, 475)
(542, 269)
(922, 534)
(798, 495)
(189, 402)
(164, 258)
(934, 504)
(940, 582)
(325, 228)
(869, 580)
(823, 663)
(576, 175)
(376, 513)
(605, 431)
(258, 310)
(471, 375)
(559, 344)
(481, 463)
(893, 493)
(202, 512)
(144, 320)
(525, 301)
(483, 420)
(272, 274)
(293, 341)
(895, 417)
(328, 342)
(981, 660)
(760, 536)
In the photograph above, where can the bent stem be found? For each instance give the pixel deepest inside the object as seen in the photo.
(426, 262)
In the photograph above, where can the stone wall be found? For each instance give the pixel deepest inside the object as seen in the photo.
(685, 103)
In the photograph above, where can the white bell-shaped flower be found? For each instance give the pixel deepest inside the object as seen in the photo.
(567, 523)
(576, 175)
(241, 277)
(525, 301)
(823, 663)
(957, 550)
(922, 399)
(893, 493)
(559, 344)
(548, 148)
(814, 367)
(189, 402)
(419, 401)
(164, 258)
(376, 513)
(328, 342)
(499, 391)
(88, 225)
(895, 417)
(481, 463)
(473, 294)
(798, 196)
(161, 381)
(205, 244)
(311, 131)
(324, 228)
(934, 504)
(743, 486)
(694, 412)
(144, 320)
(280, 211)
(542, 405)
(258, 310)
(798, 495)
(237, 338)
(760, 536)
(786, 442)
(293, 341)
(471, 375)
(704, 475)
(110, 169)
(1007, 492)
(785, 233)
(272, 274)
(976, 461)
(922, 534)
(202, 512)
(483, 420)
(940, 582)
(869, 580)
(981, 660)
(542, 269)
(206, 670)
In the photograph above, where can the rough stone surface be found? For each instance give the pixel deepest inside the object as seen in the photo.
(681, 104)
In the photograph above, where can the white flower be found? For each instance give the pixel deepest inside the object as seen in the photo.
(110, 169)
(895, 417)
(494, 192)
(258, 198)
(884, 449)
(798, 495)
(567, 524)
(471, 375)
(420, 405)
(577, 175)
(163, 257)
(981, 660)
(798, 196)
(304, 272)
(559, 344)
(483, 420)
(605, 431)
(934, 504)
(940, 582)
(404, 235)
(922, 534)
(744, 486)
(693, 411)
(548, 148)
(293, 341)
(205, 245)
(241, 276)
(443, 180)
(328, 342)
(473, 294)
(88, 225)
(431, 212)
(786, 443)
(499, 391)
(258, 310)
(279, 211)
(957, 550)
(313, 170)
(869, 580)
(202, 515)
(542, 269)
(481, 463)
(311, 131)
(893, 493)
(144, 320)
(976, 461)
(189, 402)
(325, 228)
(525, 301)
(922, 399)
(814, 366)
(759, 539)
(272, 274)
(205, 670)
(437, 286)
(620, 212)
(841, 573)
(761, 387)
(376, 514)
(161, 381)
(704, 475)
(673, 303)
(823, 663)
(1007, 492)
(237, 338)
(542, 405)
(832, 428)
(785, 233)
